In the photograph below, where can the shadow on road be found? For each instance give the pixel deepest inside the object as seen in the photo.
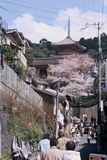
(86, 149)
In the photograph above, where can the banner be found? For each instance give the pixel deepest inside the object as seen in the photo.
(93, 156)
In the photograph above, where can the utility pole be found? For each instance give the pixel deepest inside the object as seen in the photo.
(99, 94)
(99, 89)
(56, 128)
(106, 73)
(57, 103)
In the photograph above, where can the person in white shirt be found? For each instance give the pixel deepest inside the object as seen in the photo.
(44, 144)
(70, 154)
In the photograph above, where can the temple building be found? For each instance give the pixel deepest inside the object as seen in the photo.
(67, 46)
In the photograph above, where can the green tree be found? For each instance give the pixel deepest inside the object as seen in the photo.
(8, 54)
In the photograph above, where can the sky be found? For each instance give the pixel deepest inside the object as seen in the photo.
(49, 18)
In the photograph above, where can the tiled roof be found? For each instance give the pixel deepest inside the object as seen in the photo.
(15, 36)
(45, 61)
(65, 41)
(69, 42)
(48, 92)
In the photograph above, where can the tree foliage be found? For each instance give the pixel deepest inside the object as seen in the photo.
(72, 71)
(43, 49)
(92, 46)
(8, 53)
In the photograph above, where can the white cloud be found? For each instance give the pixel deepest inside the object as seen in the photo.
(105, 3)
(35, 31)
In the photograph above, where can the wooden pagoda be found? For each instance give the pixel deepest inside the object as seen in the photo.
(67, 46)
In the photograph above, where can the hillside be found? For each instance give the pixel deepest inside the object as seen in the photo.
(73, 70)
(45, 48)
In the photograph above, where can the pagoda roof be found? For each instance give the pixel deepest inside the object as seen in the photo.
(46, 61)
(65, 41)
(69, 42)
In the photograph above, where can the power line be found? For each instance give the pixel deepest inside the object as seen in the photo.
(85, 9)
(102, 12)
(17, 13)
(17, 4)
(38, 4)
(93, 11)
(25, 6)
(86, 14)
(102, 9)
(25, 25)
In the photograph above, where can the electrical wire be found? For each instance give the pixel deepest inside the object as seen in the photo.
(20, 14)
(102, 15)
(10, 11)
(93, 11)
(102, 9)
(24, 25)
(38, 4)
(86, 15)
(43, 10)
(35, 8)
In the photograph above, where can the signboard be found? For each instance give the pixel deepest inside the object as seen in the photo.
(97, 156)
(53, 120)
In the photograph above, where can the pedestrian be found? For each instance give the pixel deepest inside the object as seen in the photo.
(77, 138)
(82, 131)
(79, 126)
(92, 119)
(88, 138)
(62, 140)
(53, 153)
(73, 131)
(92, 135)
(70, 154)
(44, 144)
(82, 124)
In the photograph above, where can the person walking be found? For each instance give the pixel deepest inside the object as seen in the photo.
(70, 154)
(62, 140)
(53, 153)
(77, 138)
(44, 144)
(88, 138)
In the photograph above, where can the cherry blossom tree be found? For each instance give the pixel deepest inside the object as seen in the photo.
(73, 69)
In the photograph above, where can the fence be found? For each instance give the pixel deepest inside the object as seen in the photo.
(12, 80)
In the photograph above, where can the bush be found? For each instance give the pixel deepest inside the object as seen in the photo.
(5, 156)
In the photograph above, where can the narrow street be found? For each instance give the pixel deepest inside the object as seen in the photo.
(86, 149)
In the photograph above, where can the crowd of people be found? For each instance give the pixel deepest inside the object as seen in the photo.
(61, 148)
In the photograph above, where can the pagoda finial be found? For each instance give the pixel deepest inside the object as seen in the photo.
(68, 27)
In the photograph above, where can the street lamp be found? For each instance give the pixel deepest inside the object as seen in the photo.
(15, 60)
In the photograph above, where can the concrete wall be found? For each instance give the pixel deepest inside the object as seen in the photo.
(10, 98)
(92, 111)
(79, 112)
(9, 78)
(16, 93)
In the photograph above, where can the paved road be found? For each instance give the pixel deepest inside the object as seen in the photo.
(86, 149)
